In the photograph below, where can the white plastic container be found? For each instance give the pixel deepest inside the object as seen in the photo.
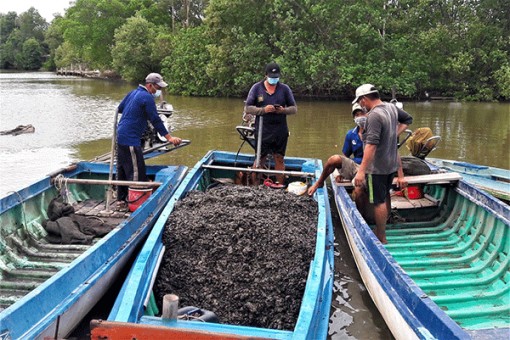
(298, 188)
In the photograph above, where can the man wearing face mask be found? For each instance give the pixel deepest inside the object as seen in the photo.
(137, 108)
(380, 159)
(273, 100)
(353, 145)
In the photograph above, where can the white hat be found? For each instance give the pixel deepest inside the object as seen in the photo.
(356, 107)
(155, 78)
(364, 90)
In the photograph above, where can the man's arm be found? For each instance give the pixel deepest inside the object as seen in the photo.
(401, 128)
(289, 110)
(404, 120)
(347, 148)
(401, 182)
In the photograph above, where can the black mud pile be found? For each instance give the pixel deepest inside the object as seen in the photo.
(240, 252)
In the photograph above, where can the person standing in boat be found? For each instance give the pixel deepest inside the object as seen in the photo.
(380, 154)
(348, 167)
(272, 100)
(137, 108)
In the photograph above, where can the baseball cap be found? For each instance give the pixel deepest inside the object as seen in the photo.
(364, 90)
(155, 78)
(273, 70)
(356, 107)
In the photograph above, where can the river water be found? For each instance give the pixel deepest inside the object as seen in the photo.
(73, 119)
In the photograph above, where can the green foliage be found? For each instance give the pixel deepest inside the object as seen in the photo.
(30, 56)
(89, 27)
(502, 77)
(325, 48)
(66, 55)
(22, 40)
(53, 37)
(135, 42)
(185, 65)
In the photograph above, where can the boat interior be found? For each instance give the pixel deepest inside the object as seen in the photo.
(26, 257)
(456, 251)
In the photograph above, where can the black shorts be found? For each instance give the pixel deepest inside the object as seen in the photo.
(378, 187)
(274, 140)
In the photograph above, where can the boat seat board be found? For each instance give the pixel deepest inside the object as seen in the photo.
(92, 207)
(402, 202)
(104, 330)
(448, 177)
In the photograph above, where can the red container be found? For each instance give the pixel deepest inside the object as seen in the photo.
(136, 197)
(413, 192)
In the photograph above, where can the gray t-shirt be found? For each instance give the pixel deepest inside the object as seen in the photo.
(381, 130)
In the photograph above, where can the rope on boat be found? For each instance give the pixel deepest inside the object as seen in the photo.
(61, 182)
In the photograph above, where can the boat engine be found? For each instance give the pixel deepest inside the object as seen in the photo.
(151, 137)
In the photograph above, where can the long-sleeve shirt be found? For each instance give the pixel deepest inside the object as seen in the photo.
(137, 108)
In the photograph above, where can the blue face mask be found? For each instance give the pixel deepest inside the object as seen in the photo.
(273, 81)
(157, 94)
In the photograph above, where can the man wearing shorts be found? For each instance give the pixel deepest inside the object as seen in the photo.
(380, 156)
(345, 166)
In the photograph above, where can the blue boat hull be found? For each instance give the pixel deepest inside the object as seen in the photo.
(313, 318)
(57, 305)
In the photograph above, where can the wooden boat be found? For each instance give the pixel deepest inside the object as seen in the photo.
(444, 273)
(46, 289)
(127, 316)
(495, 181)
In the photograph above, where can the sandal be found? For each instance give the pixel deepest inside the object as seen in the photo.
(274, 185)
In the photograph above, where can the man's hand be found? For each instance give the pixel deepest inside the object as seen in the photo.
(175, 140)
(359, 179)
(401, 182)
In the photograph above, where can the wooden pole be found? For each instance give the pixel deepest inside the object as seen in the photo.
(109, 192)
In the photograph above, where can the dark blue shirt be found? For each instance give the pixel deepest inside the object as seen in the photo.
(136, 108)
(353, 145)
(259, 97)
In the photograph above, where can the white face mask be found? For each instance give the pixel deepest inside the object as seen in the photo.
(157, 94)
(360, 121)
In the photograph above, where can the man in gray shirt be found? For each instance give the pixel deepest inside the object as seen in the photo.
(380, 158)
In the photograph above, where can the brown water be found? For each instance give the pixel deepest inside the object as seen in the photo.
(73, 120)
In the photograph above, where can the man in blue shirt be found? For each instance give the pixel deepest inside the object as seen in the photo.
(273, 100)
(137, 108)
(347, 167)
(353, 145)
